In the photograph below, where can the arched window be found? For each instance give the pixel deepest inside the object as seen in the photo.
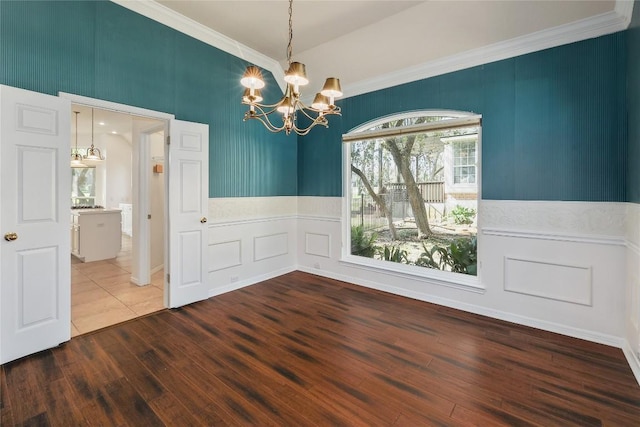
(412, 188)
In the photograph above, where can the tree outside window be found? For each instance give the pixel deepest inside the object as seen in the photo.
(401, 207)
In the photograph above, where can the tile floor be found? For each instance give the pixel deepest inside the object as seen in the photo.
(102, 294)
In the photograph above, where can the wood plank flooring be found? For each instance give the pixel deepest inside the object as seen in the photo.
(303, 350)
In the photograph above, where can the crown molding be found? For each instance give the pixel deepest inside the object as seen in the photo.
(172, 19)
(600, 25)
(596, 26)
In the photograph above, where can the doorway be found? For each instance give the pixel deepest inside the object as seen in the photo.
(130, 183)
(35, 313)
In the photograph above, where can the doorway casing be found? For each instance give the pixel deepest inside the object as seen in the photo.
(141, 164)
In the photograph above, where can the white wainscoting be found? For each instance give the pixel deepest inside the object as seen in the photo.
(632, 294)
(251, 239)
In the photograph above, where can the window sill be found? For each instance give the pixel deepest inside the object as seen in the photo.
(460, 281)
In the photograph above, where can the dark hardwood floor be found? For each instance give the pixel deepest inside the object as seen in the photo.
(303, 350)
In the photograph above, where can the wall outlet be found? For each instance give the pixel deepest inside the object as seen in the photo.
(234, 279)
(316, 265)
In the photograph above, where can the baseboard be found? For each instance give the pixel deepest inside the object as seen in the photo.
(495, 314)
(252, 281)
(157, 268)
(632, 358)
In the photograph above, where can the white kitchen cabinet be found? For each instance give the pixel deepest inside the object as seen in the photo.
(95, 234)
(127, 218)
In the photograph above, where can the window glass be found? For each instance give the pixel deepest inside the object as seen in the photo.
(83, 186)
(413, 196)
(464, 162)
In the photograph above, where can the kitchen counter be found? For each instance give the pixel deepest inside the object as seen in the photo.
(95, 233)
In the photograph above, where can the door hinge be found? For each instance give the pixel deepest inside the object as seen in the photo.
(168, 139)
(149, 216)
(168, 278)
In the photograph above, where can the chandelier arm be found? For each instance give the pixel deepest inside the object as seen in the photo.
(304, 131)
(261, 112)
(263, 117)
(267, 124)
(263, 106)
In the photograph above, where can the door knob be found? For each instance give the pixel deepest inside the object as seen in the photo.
(203, 219)
(10, 237)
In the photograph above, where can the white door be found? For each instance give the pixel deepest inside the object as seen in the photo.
(35, 178)
(188, 207)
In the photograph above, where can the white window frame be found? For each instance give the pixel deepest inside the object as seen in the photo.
(433, 276)
(449, 153)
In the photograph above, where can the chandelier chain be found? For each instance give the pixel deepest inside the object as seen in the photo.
(289, 46)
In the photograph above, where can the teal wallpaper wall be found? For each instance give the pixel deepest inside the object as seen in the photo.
(633, 105)
(554, 123)
(101, 50)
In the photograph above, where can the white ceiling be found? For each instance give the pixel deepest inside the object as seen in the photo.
(361, 41)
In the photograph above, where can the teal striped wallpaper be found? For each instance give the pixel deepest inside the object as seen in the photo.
(633, 103)
(102, 50)
(554, 123)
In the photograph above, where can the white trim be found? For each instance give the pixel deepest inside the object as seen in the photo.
(319, 218)
(114, 106)
(633, 247)
(632, 359)
(600, 25)
(188, 26)
(448, 279)
(252, 281)
(368, 135)
(221, 223)
(574, 238)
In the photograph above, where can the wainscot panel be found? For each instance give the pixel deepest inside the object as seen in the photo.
(545, 279)
(250, 239)
(318, 244)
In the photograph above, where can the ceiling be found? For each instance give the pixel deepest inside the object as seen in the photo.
(104, 122)
(361, 41)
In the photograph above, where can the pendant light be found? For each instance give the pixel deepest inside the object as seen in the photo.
(76, 157)
(93, 156)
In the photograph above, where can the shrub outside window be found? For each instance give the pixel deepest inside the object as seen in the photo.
(403, 208)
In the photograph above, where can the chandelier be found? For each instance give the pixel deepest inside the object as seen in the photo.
(290, 106)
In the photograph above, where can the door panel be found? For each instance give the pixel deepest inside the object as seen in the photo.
(188, 206)
(35, 267)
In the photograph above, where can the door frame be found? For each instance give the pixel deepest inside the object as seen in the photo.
(140, 146)
(141, 260)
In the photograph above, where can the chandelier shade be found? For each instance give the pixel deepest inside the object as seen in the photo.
(290, 106)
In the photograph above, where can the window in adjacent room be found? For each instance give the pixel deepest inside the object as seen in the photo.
(83, 186)
(412, 187)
